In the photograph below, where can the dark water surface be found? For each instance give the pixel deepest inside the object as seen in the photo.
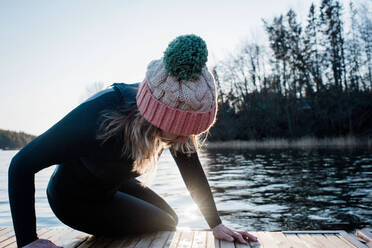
(293, 189)
(254, 189)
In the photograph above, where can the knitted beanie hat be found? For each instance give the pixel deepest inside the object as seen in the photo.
(178, 94)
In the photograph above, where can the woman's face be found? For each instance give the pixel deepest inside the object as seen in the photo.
(166, 136)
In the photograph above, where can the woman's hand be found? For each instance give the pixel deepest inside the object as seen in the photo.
(229, 234)
(42, 243)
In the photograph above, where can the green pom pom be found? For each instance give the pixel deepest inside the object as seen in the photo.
(185, 57)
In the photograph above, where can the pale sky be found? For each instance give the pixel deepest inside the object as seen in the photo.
(50, 51)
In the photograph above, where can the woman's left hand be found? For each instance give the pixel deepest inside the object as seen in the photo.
(223, 232)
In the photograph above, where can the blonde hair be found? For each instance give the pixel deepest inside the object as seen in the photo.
(141, 140)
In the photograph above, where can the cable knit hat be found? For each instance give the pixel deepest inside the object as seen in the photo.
(178, 94)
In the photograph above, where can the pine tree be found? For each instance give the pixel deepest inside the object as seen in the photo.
(299, 73)
(332, 28)
(278, 38)
(365, 30)
(353, 51)
(278, 43)
(311, 47)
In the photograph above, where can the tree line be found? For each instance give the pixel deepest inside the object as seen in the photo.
(10, 140)
(309, 80)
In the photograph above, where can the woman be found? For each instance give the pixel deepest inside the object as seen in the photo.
(106, 142)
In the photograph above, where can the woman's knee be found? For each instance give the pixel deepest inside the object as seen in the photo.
(159, 220)
(166, 226)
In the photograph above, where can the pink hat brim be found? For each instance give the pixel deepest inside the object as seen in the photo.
(172, 120)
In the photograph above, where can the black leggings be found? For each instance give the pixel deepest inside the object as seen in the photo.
(133, 209)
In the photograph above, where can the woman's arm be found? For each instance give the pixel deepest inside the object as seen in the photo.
(198, 186)
(71, 137)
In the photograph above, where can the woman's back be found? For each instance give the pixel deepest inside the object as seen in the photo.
(72, 143)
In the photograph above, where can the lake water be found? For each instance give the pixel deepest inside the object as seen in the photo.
(269, 190)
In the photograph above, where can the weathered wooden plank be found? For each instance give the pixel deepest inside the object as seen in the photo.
(238, 245)
(54, 234)
(265, 240)
(226, 244)
(351, 239)
(90, 242)
(173, 240)
(44, 231)
(313, 232)
(254, 244)
(74, 244)
(260, 238)
(346, 237)
(339, 243)
(186, 239)
(310, 241)
(128, 241)
(102, 242)
(200, 239)
(249, 245)
(10, 241)
(160, 239)
(6, 233)
(296, 241)
(212, 242)
(145, 240)
(323, 240)
(280, 240)
(11, 245)
(365, 234)
(69, 238)
(72, 239)
(51, 234)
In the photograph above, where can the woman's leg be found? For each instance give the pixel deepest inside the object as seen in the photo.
(137, 189)
(122, 214)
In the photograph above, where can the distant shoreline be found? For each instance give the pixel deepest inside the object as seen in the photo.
(304, 143)
(282, 143)
(12, 140)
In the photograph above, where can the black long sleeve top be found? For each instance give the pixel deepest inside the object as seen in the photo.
(99, 167)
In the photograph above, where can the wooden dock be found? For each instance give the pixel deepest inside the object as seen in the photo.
(69, 238)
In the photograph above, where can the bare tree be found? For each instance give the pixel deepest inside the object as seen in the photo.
(91, 89)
